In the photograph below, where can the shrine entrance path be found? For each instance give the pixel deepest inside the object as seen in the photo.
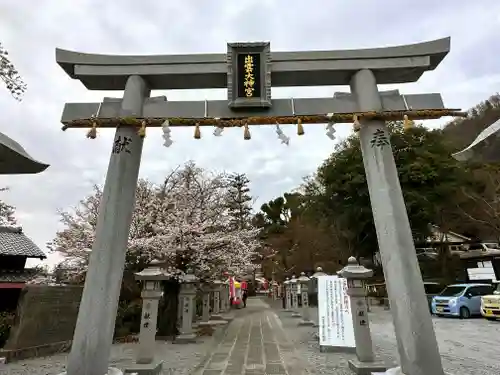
(255, 343)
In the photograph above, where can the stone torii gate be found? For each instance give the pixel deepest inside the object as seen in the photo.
(248, 71)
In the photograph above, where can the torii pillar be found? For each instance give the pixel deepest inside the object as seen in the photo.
(95, 324)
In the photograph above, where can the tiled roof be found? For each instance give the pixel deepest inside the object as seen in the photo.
(14, 242)
(22, 276)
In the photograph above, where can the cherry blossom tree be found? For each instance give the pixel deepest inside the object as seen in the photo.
(7, 213)
(10, 76)
(184, 222)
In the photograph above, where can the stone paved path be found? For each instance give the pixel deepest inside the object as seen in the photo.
(255, 344)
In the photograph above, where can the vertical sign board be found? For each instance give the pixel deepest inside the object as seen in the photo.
(334, 313)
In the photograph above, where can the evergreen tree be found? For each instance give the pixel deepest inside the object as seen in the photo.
(239, 201)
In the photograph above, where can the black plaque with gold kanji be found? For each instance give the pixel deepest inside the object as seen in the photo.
(248, 75)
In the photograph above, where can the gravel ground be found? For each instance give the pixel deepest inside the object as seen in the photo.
(468, 347)
(178, 359)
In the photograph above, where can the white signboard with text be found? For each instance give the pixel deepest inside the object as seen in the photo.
(334, 313)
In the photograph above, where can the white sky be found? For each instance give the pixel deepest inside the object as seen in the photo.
(32, 30)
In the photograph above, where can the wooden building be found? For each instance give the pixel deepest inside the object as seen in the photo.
(15, 249)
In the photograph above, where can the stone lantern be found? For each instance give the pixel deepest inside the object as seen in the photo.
(288, 295)
(205, 314)
(304, 292)
(216, 293)
(225, 296)
(187, 295)
(151, 278)
(295, 297)
(356, 276)
(273, 288)
(276, 293)
(313, 285)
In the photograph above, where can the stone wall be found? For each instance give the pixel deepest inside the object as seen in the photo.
(46, 317)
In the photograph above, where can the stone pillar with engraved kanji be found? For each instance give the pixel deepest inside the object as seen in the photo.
(288, 295)
(304, 296)
(356, 276)
(187, 296)
(205, 311)
(216, 293)
(225, 296)
(294, 290)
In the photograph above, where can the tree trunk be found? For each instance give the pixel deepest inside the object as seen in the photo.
(167, 314)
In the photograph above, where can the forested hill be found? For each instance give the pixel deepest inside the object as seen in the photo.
(461, 132)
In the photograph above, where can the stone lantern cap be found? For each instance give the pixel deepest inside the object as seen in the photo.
(188, 277)
(319, 272)
(153, 272)
(303, 278)
(354, 270)
(287, 281)
(293, 280)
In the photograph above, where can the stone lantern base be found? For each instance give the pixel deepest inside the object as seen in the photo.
(304, 322)
(153, 368)
(111, 371)
(216, 317)
(187, 338)
(213, 323)
(367, 368)
(296, 314)
(222, 318)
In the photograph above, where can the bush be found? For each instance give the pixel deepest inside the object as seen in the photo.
(6, 323)
(128, 318)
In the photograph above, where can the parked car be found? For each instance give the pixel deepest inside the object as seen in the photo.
(461, 300)
(432, 289)
(484, 246)
(490, 304)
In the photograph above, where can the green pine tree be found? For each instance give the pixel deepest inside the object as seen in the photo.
(239, 201)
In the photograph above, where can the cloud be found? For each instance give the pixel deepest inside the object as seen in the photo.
(32, 32)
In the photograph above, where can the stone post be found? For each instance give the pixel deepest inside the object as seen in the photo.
(151, 294)
(295, 297)
(273, 287)
(288, 295)
(205, 315)
(223, 297)
(415, 336)
(227, 307)
(95, 324)
(314, 284)
(186, 296)
(216, 290)
(356, 275)
(304, 291)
